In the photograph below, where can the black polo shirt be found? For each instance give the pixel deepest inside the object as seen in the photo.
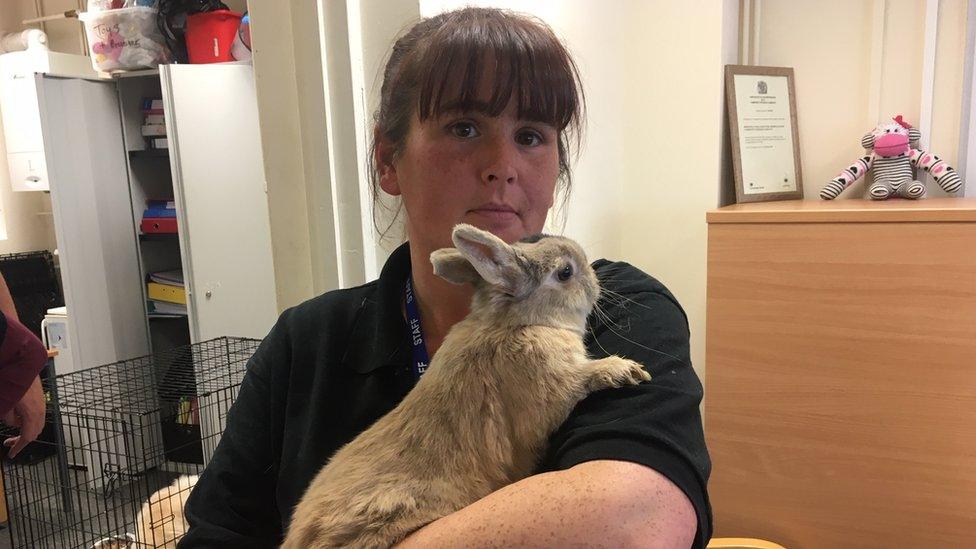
(335, 364)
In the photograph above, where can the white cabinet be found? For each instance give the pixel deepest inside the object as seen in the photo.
(93, 220)
(100, 177)
(221, 197)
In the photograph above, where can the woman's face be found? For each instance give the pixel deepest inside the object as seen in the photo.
(496, 173)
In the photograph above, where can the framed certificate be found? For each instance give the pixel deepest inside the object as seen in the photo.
(765, 141)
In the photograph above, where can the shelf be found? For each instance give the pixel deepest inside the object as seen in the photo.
(161, 316)
(855, 210)
(155, 237)
(132, 73)
(149, 153)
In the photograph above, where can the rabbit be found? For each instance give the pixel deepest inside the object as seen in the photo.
(503, 380)
(161, 522)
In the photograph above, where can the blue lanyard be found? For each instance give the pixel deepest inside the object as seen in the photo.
(421, 360)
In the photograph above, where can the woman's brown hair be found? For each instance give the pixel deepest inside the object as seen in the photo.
(438, 65)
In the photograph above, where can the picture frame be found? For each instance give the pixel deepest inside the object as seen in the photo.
(763, 129)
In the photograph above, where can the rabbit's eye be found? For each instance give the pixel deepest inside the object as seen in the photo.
(565, 273)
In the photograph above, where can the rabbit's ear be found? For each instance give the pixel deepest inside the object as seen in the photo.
(494, 260)
(453, 267)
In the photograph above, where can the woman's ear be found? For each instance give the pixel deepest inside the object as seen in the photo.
(383, 157)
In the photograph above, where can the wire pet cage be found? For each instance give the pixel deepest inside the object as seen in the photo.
(34, 285)
(123, 432)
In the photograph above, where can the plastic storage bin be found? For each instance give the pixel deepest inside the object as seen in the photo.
(124, 39)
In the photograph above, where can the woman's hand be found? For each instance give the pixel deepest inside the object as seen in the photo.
(28, 415)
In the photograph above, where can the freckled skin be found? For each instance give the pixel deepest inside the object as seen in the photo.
(454, 163)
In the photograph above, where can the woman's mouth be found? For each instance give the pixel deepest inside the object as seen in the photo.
(496, 212)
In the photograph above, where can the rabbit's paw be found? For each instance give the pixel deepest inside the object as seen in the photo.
(614, 371)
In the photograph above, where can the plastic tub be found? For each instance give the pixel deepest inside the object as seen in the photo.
(124, 39)
(210, 35)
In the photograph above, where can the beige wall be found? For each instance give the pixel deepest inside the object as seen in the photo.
(27, 215)
(281, 141)
(655, 156)
(652, 163)
(63, 35)
(829, 45)
(674, 162)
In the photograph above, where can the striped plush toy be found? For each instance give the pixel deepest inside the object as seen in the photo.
(892, 154)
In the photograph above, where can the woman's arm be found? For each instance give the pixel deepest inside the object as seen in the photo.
(598, 503)
(22, 357)
(629, 465)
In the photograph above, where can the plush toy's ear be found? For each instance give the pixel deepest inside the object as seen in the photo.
(495, 261)
(913, 136)
(868, 141)
(453, 267)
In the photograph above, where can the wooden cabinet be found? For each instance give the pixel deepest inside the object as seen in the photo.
(840, 404)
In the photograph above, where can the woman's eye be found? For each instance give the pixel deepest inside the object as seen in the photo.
(565, 273)
(464, 130)
(528, 138)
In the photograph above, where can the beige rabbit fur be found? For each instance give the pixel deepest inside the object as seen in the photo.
(502, 381)
(160, 522)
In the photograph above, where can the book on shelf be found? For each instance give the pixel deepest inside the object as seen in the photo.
(153, 130)
(154, 119)
(149, 103)
(167, 203)
(172, 278)
(158, 225)
(159, 212)
(159, 143)
(165, 308)
(188, 412)
(166, 292)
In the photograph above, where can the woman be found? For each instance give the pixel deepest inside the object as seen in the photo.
(476, 108)
(22, 357)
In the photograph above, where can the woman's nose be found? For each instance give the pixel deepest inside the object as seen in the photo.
(499, 162)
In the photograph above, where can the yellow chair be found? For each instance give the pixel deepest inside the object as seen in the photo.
(742, 543)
